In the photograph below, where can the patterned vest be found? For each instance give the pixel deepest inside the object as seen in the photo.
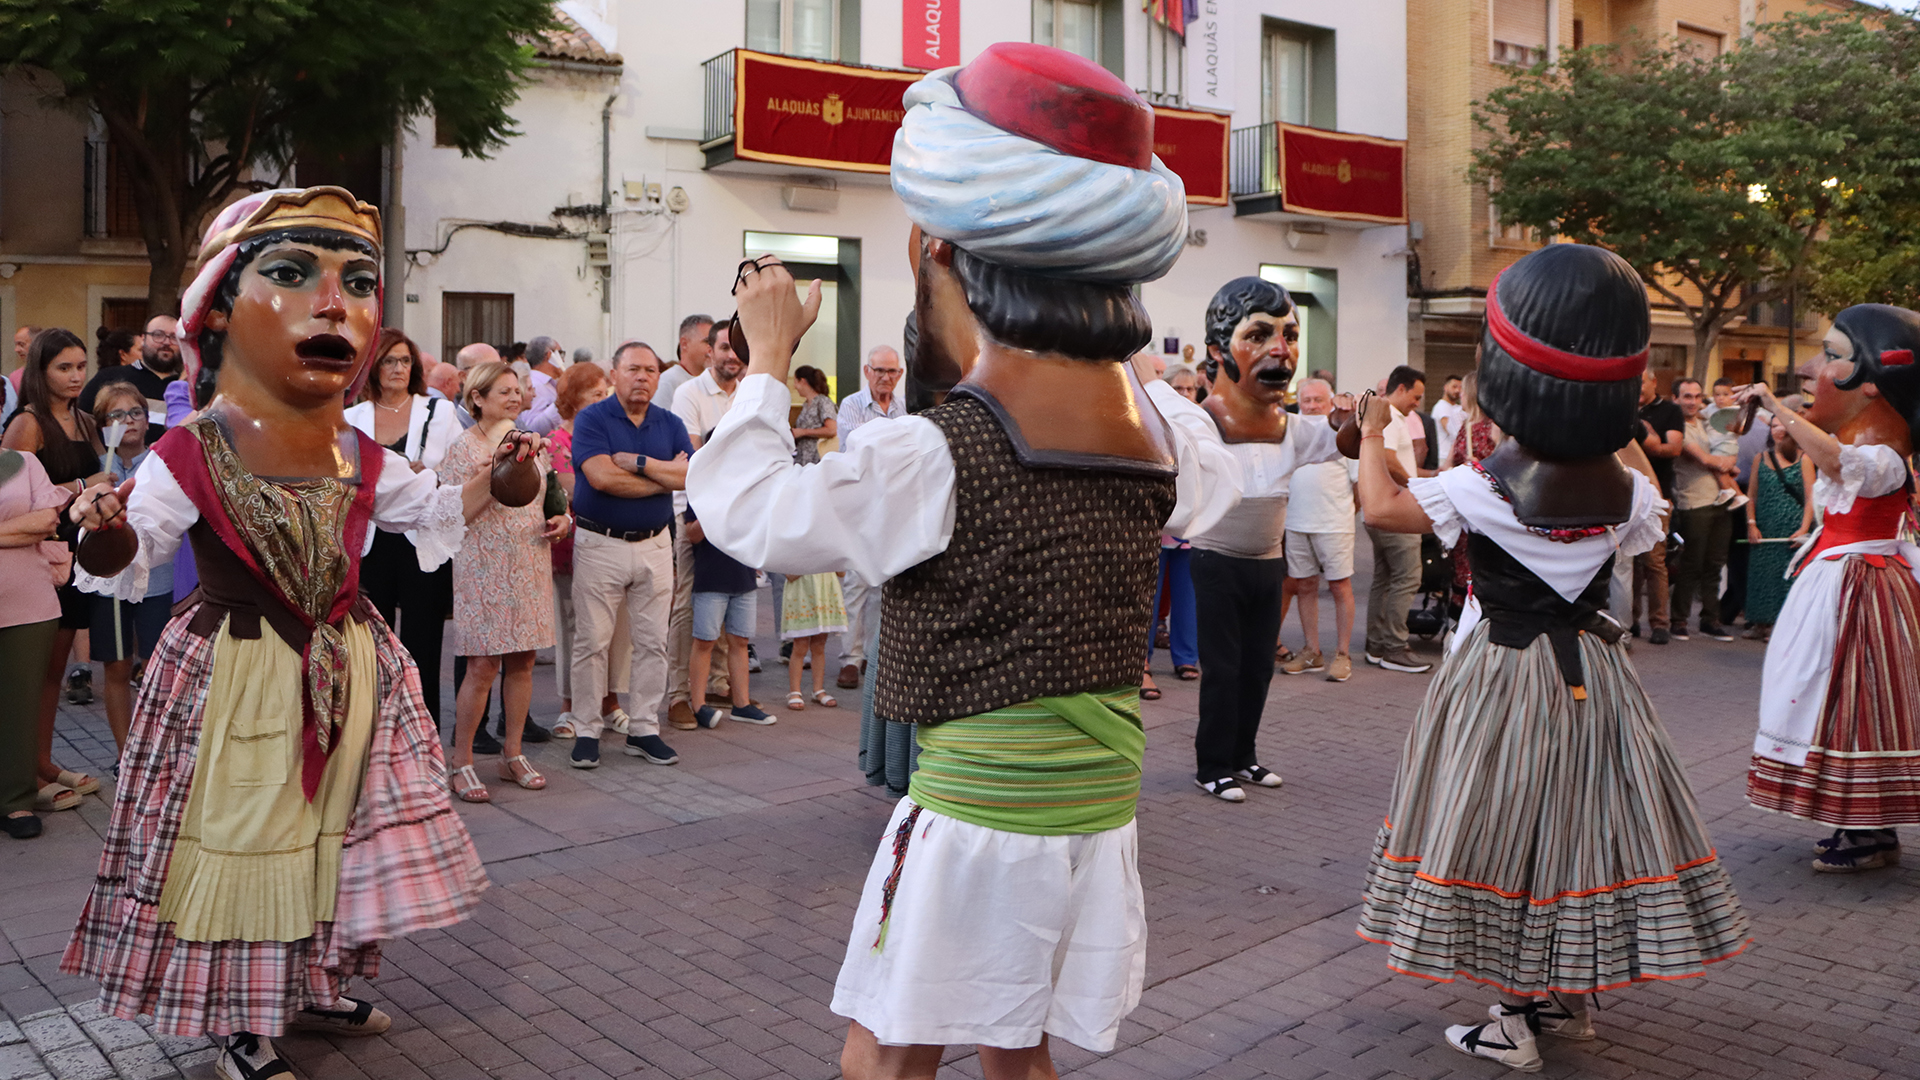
(1044, 590)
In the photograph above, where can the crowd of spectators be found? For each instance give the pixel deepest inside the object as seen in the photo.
(610, 571)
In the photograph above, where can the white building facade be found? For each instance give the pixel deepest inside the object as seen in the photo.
(623, 206)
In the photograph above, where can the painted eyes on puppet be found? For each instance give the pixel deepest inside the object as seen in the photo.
(360, 281)
(293, 270)
(289, 271)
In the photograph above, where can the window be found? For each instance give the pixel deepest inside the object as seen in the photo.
(442, 131)
(1508, 236)
(1296, 75)
(108, 205)
(1073, 25)
(469, 317)
(1166, 65)
(1702, 43)
(1519, 32)
(124, 313)
(794, 27)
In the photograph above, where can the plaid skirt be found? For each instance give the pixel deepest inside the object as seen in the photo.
(1538, 843)
(1863, 770)
(407, 863)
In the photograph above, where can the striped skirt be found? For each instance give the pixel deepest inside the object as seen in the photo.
(1863, 771)
(1538, 843)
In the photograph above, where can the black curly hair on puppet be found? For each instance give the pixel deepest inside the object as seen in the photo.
(1237, 299)
(1588, 304)
(1886, 344)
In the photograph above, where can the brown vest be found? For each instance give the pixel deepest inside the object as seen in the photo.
(1044, 590)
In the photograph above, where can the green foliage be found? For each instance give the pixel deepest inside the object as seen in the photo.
(196, 93)
(1723, 172)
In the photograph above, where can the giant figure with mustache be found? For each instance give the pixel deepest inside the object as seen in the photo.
(282, 803)
(1016, 525)
(1253, 336)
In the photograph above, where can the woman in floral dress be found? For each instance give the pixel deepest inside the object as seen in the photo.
(502, 587)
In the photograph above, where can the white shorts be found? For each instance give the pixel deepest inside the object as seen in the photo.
(1318, 554)
(996, 938)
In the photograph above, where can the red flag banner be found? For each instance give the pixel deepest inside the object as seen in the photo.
(1194, 145)
(1336, 174)
(929, 33)
(803, 112)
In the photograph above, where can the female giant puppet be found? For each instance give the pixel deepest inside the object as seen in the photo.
(1541, 837)
(282, 804)
(1839, 739)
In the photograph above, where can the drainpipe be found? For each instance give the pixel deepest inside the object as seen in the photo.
(606, 156)
(394, 229)
(606, 212)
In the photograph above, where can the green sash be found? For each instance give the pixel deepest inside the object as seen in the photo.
(1050, 767)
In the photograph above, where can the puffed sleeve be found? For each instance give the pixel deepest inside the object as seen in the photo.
(1646, 528)
(159, 513)
(418, 504)
(883, 504)
(1209, 482)
(1866, 471)
(1434, 498)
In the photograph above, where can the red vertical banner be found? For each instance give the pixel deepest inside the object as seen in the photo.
(929, 33)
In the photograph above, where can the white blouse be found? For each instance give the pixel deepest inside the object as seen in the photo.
(1866, 471)
(885, 502)
(426, 443)
(1463, 500)
(160, 513)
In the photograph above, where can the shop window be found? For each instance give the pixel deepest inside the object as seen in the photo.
(466, 318)
(1519, 32)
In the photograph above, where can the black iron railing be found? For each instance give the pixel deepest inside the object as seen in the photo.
(1255, 164)
(718, 116)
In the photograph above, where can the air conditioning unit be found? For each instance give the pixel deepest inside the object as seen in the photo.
(598, 253)
(815, 199)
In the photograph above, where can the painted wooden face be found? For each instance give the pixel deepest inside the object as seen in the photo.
(303, 319)
(1261, 356)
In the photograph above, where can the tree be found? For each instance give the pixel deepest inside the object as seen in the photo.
(201, 96)
(1716, 178)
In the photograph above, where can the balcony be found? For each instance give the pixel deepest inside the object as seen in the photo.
(774, 115)
(1291, 173)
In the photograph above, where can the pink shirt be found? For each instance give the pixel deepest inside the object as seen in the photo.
(27, 573)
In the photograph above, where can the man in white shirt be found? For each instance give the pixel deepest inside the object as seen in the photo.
(1448, 414)
(878, 401)
(1396, 556)
(1320, 544)
(690, 356)
(700, 403)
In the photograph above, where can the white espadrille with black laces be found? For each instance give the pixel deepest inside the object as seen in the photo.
(348, 1016)
(246, 1056)
(1565, 1016)
(1508, 1040)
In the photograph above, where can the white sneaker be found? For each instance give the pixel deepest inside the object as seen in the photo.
(616, 721)
(1737, 502)
(1562, 1015)
(1507, 1040)
(1723, 496)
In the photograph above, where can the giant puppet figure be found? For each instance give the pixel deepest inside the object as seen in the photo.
(282, 803)
(1542, 838)
(1253, 340)
(1839, 740)
(1016, 526)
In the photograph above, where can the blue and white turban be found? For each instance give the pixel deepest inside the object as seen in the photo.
(1018, 203)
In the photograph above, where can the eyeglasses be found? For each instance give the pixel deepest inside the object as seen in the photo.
(893, 371)
(161, 335)
(129, 415)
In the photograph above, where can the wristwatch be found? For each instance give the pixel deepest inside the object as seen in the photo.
(639, 465)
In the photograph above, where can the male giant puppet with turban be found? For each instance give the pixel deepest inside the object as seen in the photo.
(1016, 526)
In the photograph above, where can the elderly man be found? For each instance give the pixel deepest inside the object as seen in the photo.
(1320, 544)
(690, 356)
(464, 361)
(877, 402)
(700, 403)
(545, 360)
(159, 364)
(630, 457)
(1016, 526)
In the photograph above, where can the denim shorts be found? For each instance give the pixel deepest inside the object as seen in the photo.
(711, 609)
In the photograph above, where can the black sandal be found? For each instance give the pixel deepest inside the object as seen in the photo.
(1186, 672)
(1148, 691)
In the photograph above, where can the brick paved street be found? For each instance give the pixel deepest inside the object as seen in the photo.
(688, 921)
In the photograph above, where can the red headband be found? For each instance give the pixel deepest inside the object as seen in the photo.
(1896, 357)
(1548, 360)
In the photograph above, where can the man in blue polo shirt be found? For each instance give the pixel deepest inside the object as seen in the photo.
(629, 457)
